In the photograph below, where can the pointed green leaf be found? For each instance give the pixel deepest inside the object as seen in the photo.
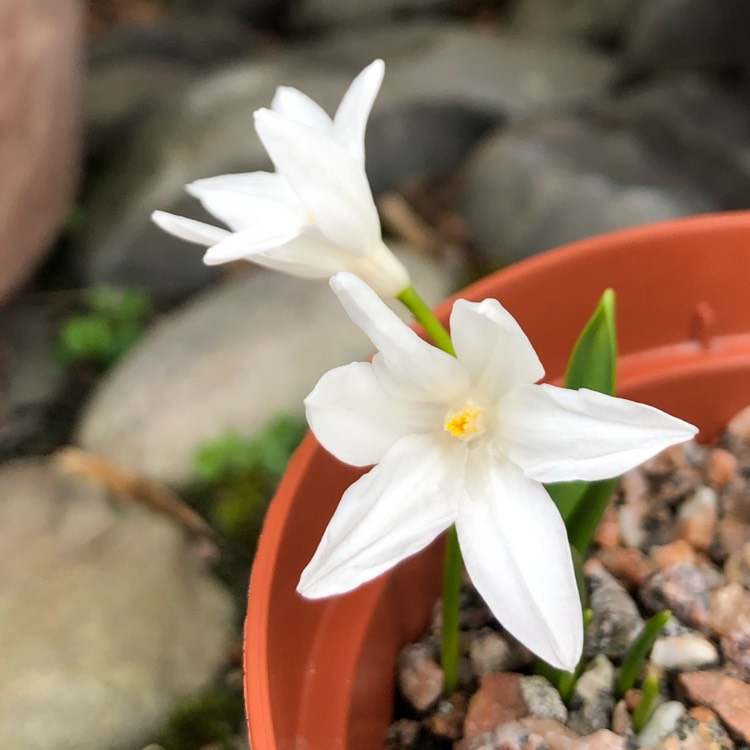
(639, 651)
(593, 361)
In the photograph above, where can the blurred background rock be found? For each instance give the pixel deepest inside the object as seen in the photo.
(504, 127)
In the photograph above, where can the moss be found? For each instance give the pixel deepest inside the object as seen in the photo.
(214, 718)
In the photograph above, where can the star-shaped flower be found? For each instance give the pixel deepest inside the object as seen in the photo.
(468, 440)
(315, 215)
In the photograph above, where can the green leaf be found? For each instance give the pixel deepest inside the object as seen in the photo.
(639, 651)
(593, 361)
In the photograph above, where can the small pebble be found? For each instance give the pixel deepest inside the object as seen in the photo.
(663, 722)
(682, 588)
(627, 564)
(448, 718)
(732, 534)
(616, 621)
(607, 534)
(721, 467)
(420, 676)
(542, 699)
(697, 518)
(497, 701)
(403, 734)
(593, 699)
(698, 729)
(684, 652)
(621, 723)
(675, 553)
(727, 696)
(489, 651)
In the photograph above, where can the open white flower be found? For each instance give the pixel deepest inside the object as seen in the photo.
(315, 215)
(468, 440)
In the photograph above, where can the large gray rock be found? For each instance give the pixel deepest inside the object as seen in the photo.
(445, 85)
(232, 359)
(107, 617)
(694, 34)
(549, 182)
(131, 66)
(597, 20)
(325, 13)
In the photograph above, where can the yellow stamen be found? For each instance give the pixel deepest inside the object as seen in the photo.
(464, 423)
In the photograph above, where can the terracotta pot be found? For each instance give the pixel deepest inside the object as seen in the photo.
(320, 675)
(40, 46)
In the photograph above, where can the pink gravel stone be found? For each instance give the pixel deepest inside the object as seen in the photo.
(722, 467)
(727, 696)
(498, 701)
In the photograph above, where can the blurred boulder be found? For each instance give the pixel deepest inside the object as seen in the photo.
(108, 617)
(39, 55)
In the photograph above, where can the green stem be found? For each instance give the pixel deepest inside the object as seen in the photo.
(426, 318)
(453, 563)
(451, 609)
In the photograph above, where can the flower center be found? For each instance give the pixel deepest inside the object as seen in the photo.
(465, 424)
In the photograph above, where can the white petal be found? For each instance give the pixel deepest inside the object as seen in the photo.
(406, 365)
(258, 184)
(328, 181)
(292, 103)
(395, 510)
(248, 243)
(351, 117)
(356, 420)
(517, 553)
(239, 211)
(556, 434)
(312, 255)
(188, 229)
(493, 347)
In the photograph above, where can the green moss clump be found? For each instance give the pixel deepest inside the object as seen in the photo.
(212, 718)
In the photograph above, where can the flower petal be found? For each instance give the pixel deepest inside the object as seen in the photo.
(395, 510)
(517, 553)
(556, 435)
(239, 211)
(356, 420)
(292, 103)
(247, 243)
(258, 184)
(493, 347)
(405, 364)
(328, 181)
(189, 230)
(351, 117)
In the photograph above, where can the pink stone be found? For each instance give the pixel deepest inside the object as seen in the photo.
(739, 424)
(498, 701)
(727, 696)
(40, 46)
(721, 467)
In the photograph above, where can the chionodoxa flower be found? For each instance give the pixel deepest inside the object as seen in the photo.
(468, 440)
(315, 215)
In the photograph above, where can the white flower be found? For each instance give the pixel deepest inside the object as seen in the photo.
(468, 440)
(314, 216)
